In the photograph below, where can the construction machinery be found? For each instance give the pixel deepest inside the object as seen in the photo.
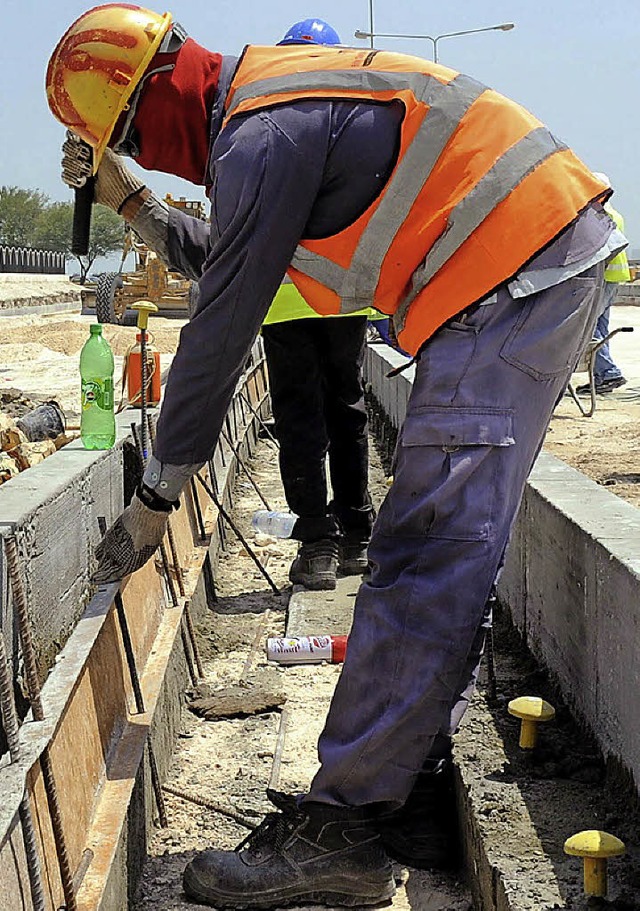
(151, 280)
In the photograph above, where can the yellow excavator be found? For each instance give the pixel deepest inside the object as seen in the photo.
(173, 294)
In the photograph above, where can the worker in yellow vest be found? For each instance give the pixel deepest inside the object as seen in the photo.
(373, 179)
(606, 372)
(317, 397)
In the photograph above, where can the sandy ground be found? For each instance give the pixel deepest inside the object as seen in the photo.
(606, 447)
(39, 355)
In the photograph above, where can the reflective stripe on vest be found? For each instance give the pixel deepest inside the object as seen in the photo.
(461, 212)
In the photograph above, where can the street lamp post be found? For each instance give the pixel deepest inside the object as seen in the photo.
(504, 27)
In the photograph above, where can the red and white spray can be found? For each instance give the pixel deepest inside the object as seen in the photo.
(307, 649)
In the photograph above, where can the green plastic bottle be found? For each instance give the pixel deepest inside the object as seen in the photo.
(97, 423)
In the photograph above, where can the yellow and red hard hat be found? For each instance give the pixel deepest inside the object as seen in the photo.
(97, 66)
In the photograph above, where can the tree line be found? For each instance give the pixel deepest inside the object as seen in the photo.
(28, 218)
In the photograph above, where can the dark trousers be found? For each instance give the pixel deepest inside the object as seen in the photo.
(317, 396)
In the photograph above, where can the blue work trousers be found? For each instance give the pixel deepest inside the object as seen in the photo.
(485, 388)
(604, 367)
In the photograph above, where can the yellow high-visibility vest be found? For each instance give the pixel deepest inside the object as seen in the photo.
(289, 304)
(618, 269)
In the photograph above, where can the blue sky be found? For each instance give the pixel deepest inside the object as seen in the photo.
(573, 63)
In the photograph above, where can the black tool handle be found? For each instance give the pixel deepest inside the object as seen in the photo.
(82, 218)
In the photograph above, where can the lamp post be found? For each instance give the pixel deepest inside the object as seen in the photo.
(504, 27)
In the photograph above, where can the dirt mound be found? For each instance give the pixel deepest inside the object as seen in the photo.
(67, 336)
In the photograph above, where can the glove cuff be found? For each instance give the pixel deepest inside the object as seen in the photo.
(154, 501)
(115, 186)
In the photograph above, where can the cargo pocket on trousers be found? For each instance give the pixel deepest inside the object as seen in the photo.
(449, 469)
(546, 340)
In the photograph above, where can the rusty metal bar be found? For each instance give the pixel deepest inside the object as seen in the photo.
(187, 653)
(238, 533)
(167, 575)
(216, 489)
(170, 535)
(243, 465)
(157, 786)
(192, 638)
(175, 560)
(260, 421)
(208, 805)
(33, 688)
(10, 725)
(279, 750)
(126, 637)
(196, 506)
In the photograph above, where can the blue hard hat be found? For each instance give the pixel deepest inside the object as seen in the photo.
(311, 31)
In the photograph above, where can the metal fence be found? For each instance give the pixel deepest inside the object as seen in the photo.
(26, 259)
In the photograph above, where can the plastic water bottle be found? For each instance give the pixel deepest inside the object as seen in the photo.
(97, 423)
(270, 522)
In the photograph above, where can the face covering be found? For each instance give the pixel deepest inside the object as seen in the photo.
(171, 122)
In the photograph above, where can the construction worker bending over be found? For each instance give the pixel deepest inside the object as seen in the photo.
(317, 397)
(373, 179)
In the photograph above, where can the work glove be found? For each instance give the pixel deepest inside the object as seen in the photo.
(115, 183)
(133, 538)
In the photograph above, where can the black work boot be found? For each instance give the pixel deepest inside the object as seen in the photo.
(352, 554)
(308, 854)
(316, 565)
(424, 832)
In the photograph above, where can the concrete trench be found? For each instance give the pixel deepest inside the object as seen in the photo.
(557, 634)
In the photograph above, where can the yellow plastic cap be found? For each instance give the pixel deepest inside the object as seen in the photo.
(531, 708)
(593, 843)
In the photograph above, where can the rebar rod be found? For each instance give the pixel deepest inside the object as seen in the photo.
(193, 639)
(196, 506)
(243, 465)
(170, 535)
(136, 443)
(35, 700)
(167, 574)
(179, 574)
(257, 639)
(238, 533)
(187, 653)
(126, 638)
(177, 567)
(157, 786)
(143, 392)
(258, 417)
(24, 627)
(209, 805)
(279, 750)
(222, 531)
(10, 725)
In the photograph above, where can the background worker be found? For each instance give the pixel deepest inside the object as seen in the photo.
(373, 179)
(607, 374)
(317, 396)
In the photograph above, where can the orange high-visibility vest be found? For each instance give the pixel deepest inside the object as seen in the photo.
(480, 186)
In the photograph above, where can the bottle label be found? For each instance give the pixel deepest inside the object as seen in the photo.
(299, 650)
(98, 392)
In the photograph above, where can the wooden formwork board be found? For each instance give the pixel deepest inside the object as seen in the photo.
(92, 732)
